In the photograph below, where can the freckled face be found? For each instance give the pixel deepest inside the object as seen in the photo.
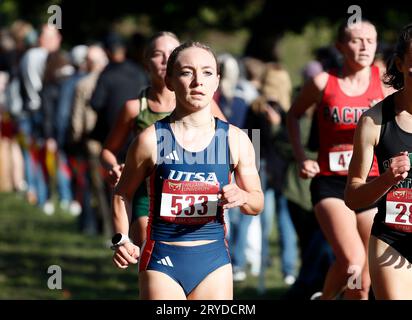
(195, 77)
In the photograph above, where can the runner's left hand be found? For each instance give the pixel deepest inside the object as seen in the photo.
(232, 196)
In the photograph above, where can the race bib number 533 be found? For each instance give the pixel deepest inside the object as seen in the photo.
(188, 202)
(399, 209)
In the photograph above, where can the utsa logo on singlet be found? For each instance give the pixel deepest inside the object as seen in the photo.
(184, 185)
(338, 115)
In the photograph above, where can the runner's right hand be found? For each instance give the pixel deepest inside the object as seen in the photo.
(399, 167)
(126, 254)
(308, 169)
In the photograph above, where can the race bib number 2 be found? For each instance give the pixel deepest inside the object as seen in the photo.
(399, 209)
(339, 158)
(188, 202)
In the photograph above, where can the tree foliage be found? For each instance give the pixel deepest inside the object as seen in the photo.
(266, 20)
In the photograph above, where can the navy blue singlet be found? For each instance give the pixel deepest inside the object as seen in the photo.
(183, 187)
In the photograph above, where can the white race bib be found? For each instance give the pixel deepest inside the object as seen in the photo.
(399, 209)
(339, 158)
(188, 202)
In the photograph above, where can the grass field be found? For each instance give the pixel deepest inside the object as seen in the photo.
(30, 242)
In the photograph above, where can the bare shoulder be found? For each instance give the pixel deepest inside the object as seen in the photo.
(147, 137)
(235, 133)
(321, 80)
(238, 141)
(131, 108)
(311, 92)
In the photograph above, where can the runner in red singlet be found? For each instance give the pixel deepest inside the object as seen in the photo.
(342, 96)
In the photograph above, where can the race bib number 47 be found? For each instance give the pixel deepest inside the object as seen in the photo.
(188, 202)
(399, 209)
(339, 158)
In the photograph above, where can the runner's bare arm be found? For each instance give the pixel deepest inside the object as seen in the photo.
(359, 193)
(139, 162)
(246, 193)
(117, 138)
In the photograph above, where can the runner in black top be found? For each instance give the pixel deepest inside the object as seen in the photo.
(387, 130)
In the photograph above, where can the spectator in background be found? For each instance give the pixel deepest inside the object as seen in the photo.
(33, 65)
(268, 115)
(234, 107)
(58, 70)
(277, 85)
(247, 245)
(83, 118)
(6, 134)
(25, 37)
(135, 52)
(82, 123)
(65, 103)
(250, 81)
(315, 253)
(30, 120)
(228, 97)
(69, 200)
(120, 81)
(329, 57)
(11, 164)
